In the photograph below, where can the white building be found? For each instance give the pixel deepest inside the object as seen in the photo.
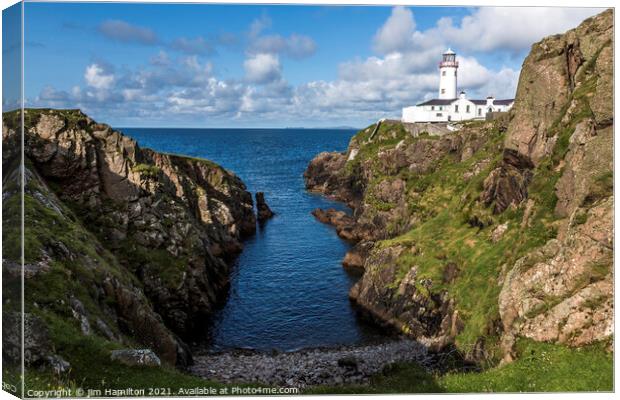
(447, 107)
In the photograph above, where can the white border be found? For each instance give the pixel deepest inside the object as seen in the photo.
(524, 3)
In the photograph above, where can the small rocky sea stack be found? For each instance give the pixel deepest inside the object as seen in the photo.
(263, 212)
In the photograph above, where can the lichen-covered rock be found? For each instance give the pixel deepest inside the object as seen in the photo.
(136, 358)
(564, 291)
(556, 67)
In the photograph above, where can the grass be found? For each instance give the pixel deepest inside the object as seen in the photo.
(147, 170)
(541, 367)
(92, 368)
(602, 187)
(444, 203)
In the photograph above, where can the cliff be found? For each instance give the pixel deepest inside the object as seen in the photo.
(124, 246)
(500, 230)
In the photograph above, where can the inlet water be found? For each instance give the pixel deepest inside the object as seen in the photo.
(288, 289)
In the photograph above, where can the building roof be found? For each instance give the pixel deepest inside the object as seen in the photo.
(447, 102)
(449, 51)
(437, 102)
(504, 102)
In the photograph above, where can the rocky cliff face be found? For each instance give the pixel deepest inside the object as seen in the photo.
(500, 230)
(129, 244)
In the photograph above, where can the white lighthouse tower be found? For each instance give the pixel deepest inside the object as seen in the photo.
(448, 108)
(447, 75)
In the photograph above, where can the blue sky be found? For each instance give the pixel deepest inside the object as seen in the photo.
(268, 66)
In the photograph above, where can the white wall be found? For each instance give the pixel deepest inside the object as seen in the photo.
(460, 112)
(426, 114)
(448, 112)
(447, 83)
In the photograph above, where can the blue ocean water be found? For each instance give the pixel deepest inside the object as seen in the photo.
(288, 288)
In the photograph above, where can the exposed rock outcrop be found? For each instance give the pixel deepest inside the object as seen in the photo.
(382, 182)
(551, 74)
(507, 185)
(501, 229)
(136, 241)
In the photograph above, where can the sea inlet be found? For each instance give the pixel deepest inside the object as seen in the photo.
(288, 288)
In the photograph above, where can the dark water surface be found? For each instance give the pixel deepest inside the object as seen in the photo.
(288, 288)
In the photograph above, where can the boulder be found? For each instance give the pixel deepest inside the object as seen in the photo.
(136, 358)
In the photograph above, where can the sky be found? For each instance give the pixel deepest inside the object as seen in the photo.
(200, 65)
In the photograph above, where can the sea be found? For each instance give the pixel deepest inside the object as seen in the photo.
(288, 288)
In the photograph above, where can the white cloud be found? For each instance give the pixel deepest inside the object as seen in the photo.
(262, 68)
(396, 34)
(514, 28)
(403, 71)
(97, 77)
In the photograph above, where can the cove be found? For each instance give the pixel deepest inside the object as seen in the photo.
(288, 289)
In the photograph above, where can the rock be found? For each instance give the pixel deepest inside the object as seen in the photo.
(310, 367)
(402, 188)
(320, 173)
(450, 272)
(263, 212)
(348, 362)
(58, 364)
(498, 232)
(146, 208)
(136, 358)
(507, 184)
(356, 257)
(36, 343)
(80, 314)
(346, 226)
(549, 75)
(562, 292)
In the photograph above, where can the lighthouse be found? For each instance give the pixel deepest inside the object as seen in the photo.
(447, 75)
(450, 107)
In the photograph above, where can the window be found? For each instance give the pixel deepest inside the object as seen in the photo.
(440, 108)
(456, 108)
(467, 109)
(479, 111)
(454, 72)
(432, 108)
(443, 73)
(442, 90)
(439, 114)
